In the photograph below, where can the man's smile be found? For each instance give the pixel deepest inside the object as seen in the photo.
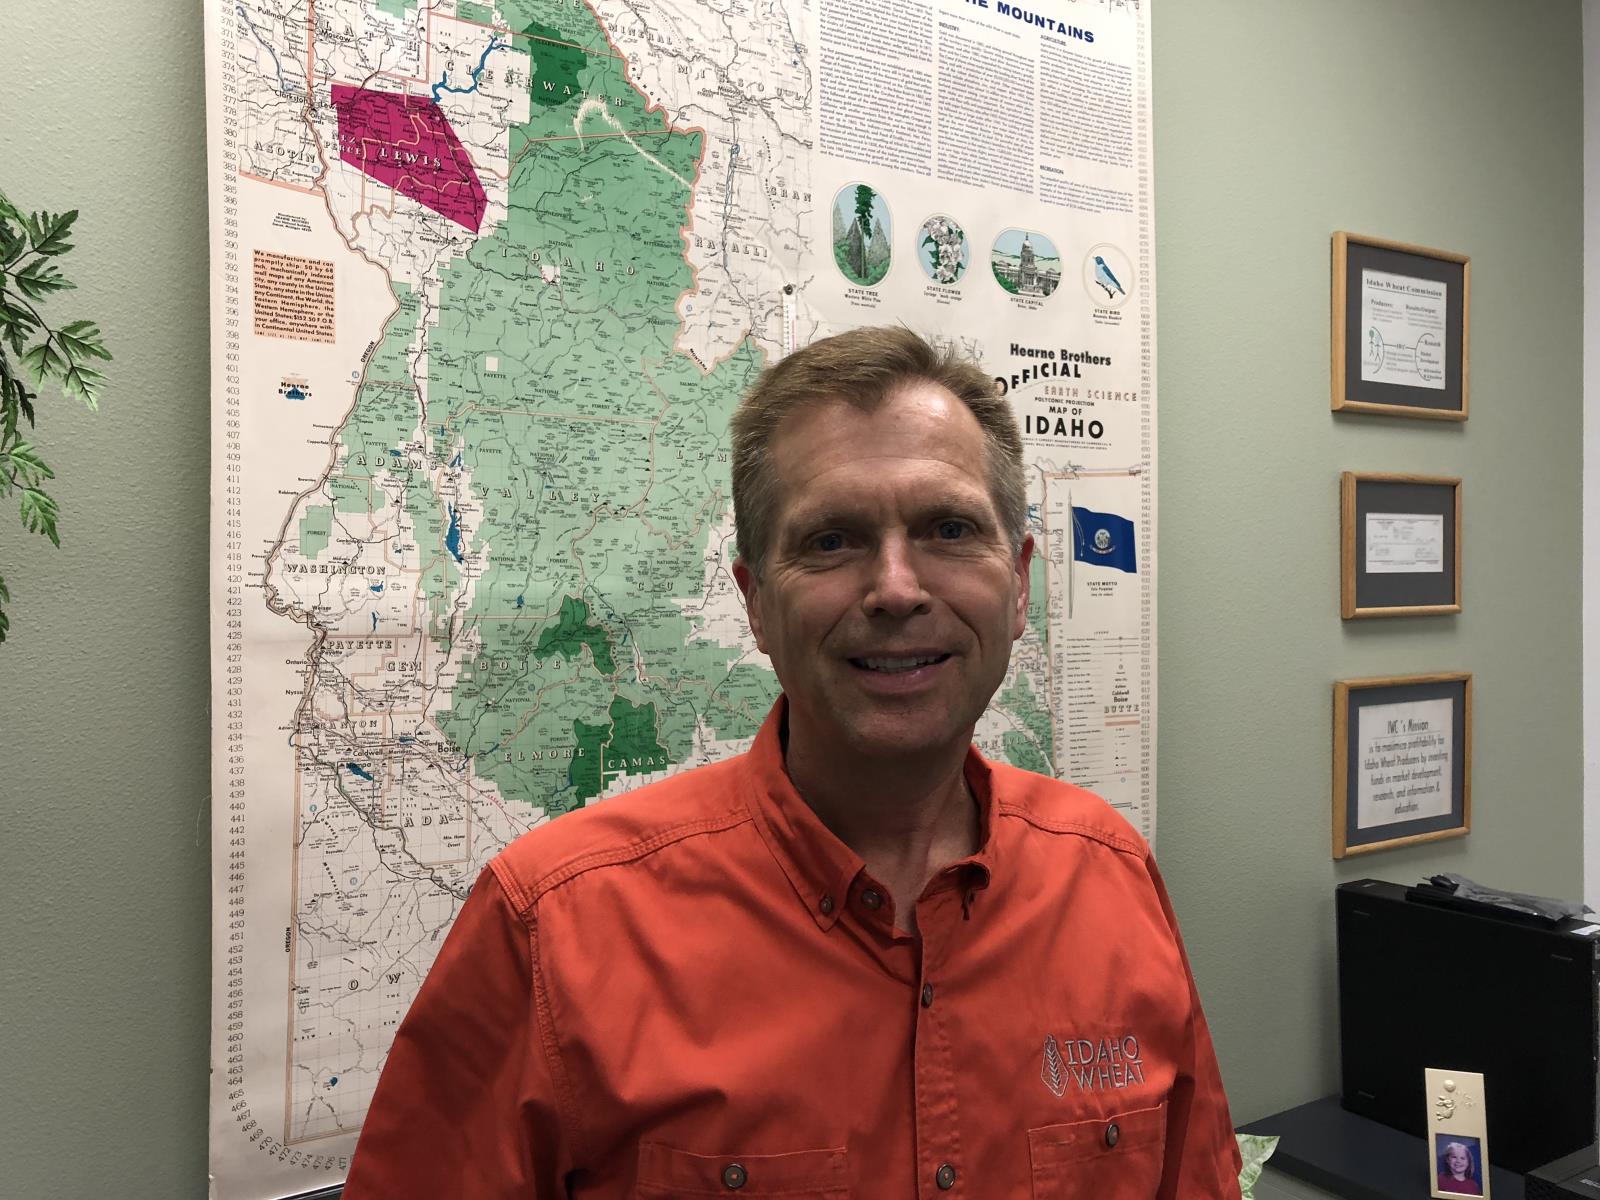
(898, 664)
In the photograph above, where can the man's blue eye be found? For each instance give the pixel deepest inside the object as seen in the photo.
(952, 529)
(830, 541)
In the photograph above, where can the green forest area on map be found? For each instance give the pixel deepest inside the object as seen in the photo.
(592, 460)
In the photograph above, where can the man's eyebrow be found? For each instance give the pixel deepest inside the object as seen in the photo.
(820, 516)
(974, 506)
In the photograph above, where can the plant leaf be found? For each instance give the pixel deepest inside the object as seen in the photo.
(4, 594)
(39, 278)
(27, 464)
(84, 383)
(82, 339)
(48, 232)
(39, 514)
(9, 385)
(16, 318)
(44, 360)
(13, 241)
(14, 397)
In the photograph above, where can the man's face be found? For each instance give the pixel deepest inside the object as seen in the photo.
(890, 596)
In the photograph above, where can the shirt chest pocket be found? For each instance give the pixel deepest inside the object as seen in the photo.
(802, 1175)
(1117, 1157)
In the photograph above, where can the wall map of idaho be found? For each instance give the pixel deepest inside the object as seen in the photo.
(489, 282)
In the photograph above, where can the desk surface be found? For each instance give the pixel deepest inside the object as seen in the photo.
(1356, 1158)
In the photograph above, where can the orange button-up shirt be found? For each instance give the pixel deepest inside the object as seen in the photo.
(696, 989)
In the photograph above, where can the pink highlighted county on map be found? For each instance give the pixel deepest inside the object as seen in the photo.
(406, 142)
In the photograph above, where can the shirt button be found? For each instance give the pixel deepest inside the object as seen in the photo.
(872, 899)
(1113, 1134)
(733, 1177)
(945, 1177)
(927, 995)
(827, 905)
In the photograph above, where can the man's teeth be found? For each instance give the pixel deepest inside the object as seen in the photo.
(898, 664)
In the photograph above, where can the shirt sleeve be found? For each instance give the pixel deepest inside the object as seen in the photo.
(466, 1106)
(1202, 1155)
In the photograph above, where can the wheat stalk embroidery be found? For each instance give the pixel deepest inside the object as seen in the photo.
(1054, 1078)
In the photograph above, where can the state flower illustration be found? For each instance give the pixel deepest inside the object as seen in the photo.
(945, 244)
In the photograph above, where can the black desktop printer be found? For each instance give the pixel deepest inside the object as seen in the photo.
(1424, 982)
(1575, 1175)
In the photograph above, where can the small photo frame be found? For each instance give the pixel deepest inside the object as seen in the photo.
(1402, 761)
(1401, 321)
(1458, 1165)
(1458, 1133)
(1399, 545)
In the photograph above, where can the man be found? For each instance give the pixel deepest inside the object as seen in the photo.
(859, 960)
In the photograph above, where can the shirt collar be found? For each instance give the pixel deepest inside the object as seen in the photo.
(820, 867)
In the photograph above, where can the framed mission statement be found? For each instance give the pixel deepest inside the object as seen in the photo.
(1402, 761)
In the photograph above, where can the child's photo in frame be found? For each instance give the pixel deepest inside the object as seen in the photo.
(1460, 1164)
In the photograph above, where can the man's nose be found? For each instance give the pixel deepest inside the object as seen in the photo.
(895, 588)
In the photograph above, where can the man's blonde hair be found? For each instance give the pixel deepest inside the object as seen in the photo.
(861, 368)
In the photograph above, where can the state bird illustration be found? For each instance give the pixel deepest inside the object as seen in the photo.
(1104, 277)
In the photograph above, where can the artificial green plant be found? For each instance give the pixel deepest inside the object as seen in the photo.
(32, 246)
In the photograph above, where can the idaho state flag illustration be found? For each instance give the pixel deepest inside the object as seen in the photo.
(1103, 538)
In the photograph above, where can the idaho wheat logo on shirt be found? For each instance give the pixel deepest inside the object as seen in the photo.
(1111, 1062)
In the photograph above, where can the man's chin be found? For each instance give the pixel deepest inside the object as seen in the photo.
(908, 734)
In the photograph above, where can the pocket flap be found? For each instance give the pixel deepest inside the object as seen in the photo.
(1118, 1133)
(816, 1173)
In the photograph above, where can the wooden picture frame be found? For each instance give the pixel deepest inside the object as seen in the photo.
(1402, 761)
(1399, 545)
(1401, 328)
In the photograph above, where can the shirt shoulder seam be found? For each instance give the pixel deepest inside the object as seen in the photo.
(1093, 832)
(526, 896)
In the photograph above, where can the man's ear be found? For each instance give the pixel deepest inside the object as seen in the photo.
(1023, 562)
(749, 588)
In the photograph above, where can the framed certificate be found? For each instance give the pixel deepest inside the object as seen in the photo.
(1399, 545)
(1402, 761)
(1400, 329)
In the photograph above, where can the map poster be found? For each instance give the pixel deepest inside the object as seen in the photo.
(488, 279)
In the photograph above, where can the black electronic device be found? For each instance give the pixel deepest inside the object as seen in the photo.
(1576, 1174)
(1463, 989)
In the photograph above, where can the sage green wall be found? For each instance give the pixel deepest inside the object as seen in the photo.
(104, 745)
(1451, 122)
